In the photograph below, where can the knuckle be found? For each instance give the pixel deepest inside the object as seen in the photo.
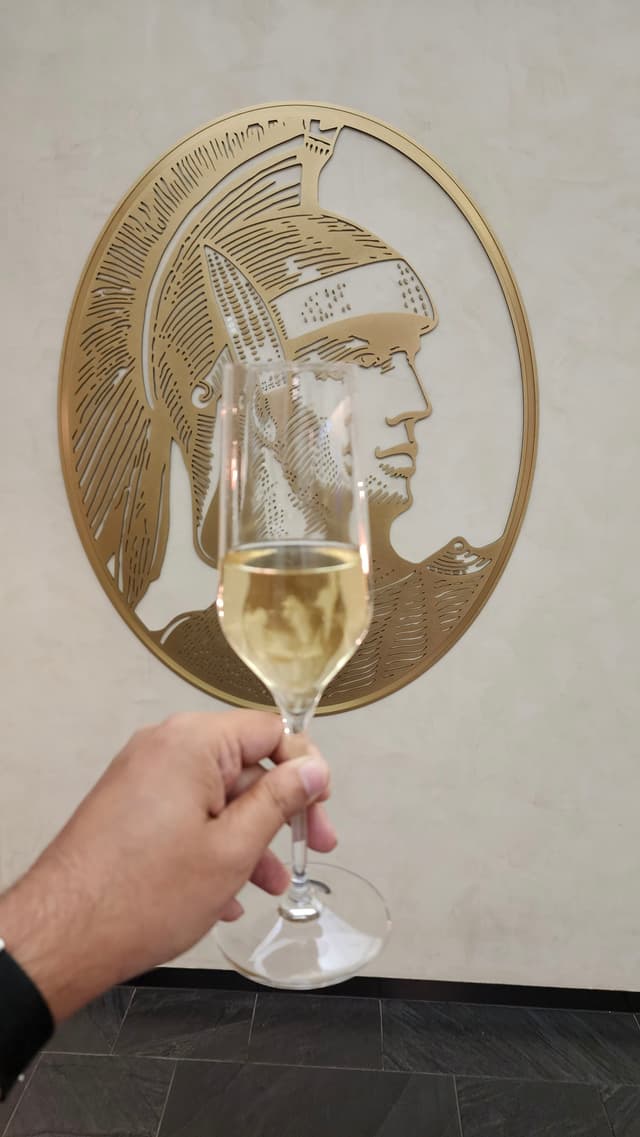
(176, 725)
(140, 737)
(229, 757)
(216, 792)
(274, 797)
(137, 748)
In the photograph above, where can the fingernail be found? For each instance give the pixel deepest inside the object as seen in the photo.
(314, 776)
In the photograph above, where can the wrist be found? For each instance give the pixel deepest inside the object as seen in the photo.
(26, 1023)
(41, 930)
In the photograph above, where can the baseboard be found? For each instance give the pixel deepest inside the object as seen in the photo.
(431, 990)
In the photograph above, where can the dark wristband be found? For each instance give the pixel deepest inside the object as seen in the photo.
(25, 1020)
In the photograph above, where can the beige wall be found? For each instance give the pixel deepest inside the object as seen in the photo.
(494, 801)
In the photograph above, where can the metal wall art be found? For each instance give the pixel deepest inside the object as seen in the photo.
(223, 251)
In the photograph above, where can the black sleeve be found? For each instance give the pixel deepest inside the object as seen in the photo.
(25, 1020)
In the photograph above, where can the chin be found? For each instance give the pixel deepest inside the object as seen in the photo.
(385, 495)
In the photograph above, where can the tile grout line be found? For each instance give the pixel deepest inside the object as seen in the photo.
(347, 1069)
(608, 1121)
(381, 1035)
(166, 1100)
(128, 1008)
(455, 1091)
(253, 1018)
(136, 1054)
(522, 1079)
(25, 1089)
(184, 1061)
(448, 1074)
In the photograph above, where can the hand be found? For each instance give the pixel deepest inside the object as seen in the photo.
(156, 853)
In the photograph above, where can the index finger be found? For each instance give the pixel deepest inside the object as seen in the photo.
(233, 740)
(296, 746)
(293, 746)
(251, 735)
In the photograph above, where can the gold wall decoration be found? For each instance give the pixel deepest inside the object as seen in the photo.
(223, 251)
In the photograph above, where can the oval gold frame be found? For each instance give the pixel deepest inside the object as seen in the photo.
(382, 132)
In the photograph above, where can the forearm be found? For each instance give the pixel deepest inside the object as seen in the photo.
(51, 963)
(45, 922)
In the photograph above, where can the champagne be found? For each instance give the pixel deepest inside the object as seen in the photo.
(294, 612)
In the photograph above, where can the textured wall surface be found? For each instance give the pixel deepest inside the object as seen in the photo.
(494, 800)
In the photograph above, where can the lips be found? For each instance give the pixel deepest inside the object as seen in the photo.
(398, 471)
(406, 450)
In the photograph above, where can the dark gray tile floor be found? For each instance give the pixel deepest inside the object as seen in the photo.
(511, 1042)
(9, 1105)
(95, 1029)
(94, 1095)
(304, 1030)
(188, 1024)
(184, 1063)
(491, 1108)
(292, 1101)
(622, 1104)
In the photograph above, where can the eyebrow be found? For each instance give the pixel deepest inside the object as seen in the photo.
(330, 347)
(343, 341)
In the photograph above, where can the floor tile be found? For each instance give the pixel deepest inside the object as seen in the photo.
(188, 1024)
(284, 1101)
(94, 1096)
(491, 1108)
(622, 1104)
(511, 1042)
(94, 1029)
(304, 1030)
(9, 1104)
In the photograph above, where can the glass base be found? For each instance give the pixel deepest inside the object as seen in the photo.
(347, 933)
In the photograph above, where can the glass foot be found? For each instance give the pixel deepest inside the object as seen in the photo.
(347, 933)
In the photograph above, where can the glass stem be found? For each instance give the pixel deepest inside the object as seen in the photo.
(299, 850)
(300, 902)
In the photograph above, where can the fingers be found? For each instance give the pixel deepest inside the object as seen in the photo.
(321, 833)
(232, 910)
(247, 826)
(256, 734)
(270, 874)
(234, 743)
(244, 781)
(322, 836)
(234, 739)
(293, 746)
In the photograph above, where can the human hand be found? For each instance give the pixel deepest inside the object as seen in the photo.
(157, 851)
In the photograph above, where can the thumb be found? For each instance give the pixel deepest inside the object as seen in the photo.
(248, 825)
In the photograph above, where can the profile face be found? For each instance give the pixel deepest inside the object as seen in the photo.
(389, 378)
(376, 317)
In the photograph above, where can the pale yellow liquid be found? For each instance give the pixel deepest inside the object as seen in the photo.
(295, 613)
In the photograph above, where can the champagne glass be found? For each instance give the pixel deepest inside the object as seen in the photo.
(294, 604)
